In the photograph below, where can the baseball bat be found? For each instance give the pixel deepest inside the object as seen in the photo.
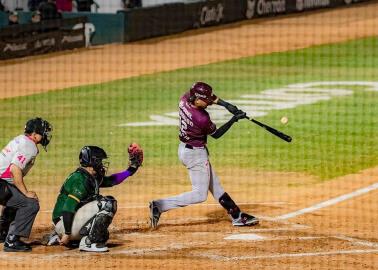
(274, 131)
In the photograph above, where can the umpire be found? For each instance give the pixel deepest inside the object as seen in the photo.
(21, 205)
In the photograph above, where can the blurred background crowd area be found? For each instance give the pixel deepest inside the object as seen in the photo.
(37, 10)
(96, 6)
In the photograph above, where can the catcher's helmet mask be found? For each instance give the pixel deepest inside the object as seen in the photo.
(93, 156)
(202, 91)
(41, 127)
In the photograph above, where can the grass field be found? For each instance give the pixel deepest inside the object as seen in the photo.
(331, 138)
(315, 197)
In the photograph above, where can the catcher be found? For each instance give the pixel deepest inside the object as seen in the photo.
(80, 212)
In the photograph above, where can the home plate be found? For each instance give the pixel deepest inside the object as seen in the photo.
(244, 236)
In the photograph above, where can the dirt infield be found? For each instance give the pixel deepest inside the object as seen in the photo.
(341, 236)
(338, 234)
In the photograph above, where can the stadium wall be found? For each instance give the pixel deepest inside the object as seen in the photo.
(174, 18)
(141, 23)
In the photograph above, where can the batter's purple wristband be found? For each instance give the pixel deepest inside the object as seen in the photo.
(118, 178)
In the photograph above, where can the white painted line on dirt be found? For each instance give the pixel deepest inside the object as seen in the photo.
(84, 256)
(180, 221)
(287, 255)
(245, 237)
(276, 229)
(128, 251)
(310, 237)
(357, 241)
(155, 234)
(329, 202)
(141, 206)
(256, 237)
(288, 226)
(285, 222)
(176, 221)
(143, 251)
(301, 227)
(174, 247)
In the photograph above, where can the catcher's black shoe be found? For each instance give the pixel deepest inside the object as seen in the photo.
(14, 244)
(154, 215)
(245, 220)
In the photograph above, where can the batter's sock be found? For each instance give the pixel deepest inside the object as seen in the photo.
(228, 204)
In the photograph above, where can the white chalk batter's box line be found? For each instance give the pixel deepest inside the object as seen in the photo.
(155, 234)
(180, 246)
(141, 206)
(180, 221)
(255, 237)
(141, 252)
(258, 238)
(286, 255)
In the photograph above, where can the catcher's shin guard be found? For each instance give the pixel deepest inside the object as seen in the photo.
(97, 228)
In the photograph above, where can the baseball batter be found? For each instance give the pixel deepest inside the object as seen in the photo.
(195, 126)
(21, 205)
(80, 212)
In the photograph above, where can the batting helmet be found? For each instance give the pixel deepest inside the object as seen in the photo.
(41, 127)
(93, 156)
(202, 91)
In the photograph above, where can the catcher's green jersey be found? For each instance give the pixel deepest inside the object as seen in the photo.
(78, 189)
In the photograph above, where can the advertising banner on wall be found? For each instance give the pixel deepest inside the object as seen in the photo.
(25, 40)
(156, 21)
(174, 18)
(261, 8)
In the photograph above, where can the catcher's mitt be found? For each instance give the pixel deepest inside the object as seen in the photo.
(135, 155)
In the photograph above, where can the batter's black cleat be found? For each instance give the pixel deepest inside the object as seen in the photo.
(245, 220)
(14, 244)
(154, 215)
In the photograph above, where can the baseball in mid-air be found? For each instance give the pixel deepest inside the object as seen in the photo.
(284, 120)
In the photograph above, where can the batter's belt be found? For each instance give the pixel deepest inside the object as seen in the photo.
(188, 146)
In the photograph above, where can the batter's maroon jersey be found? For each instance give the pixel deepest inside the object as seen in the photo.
(195, 123)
